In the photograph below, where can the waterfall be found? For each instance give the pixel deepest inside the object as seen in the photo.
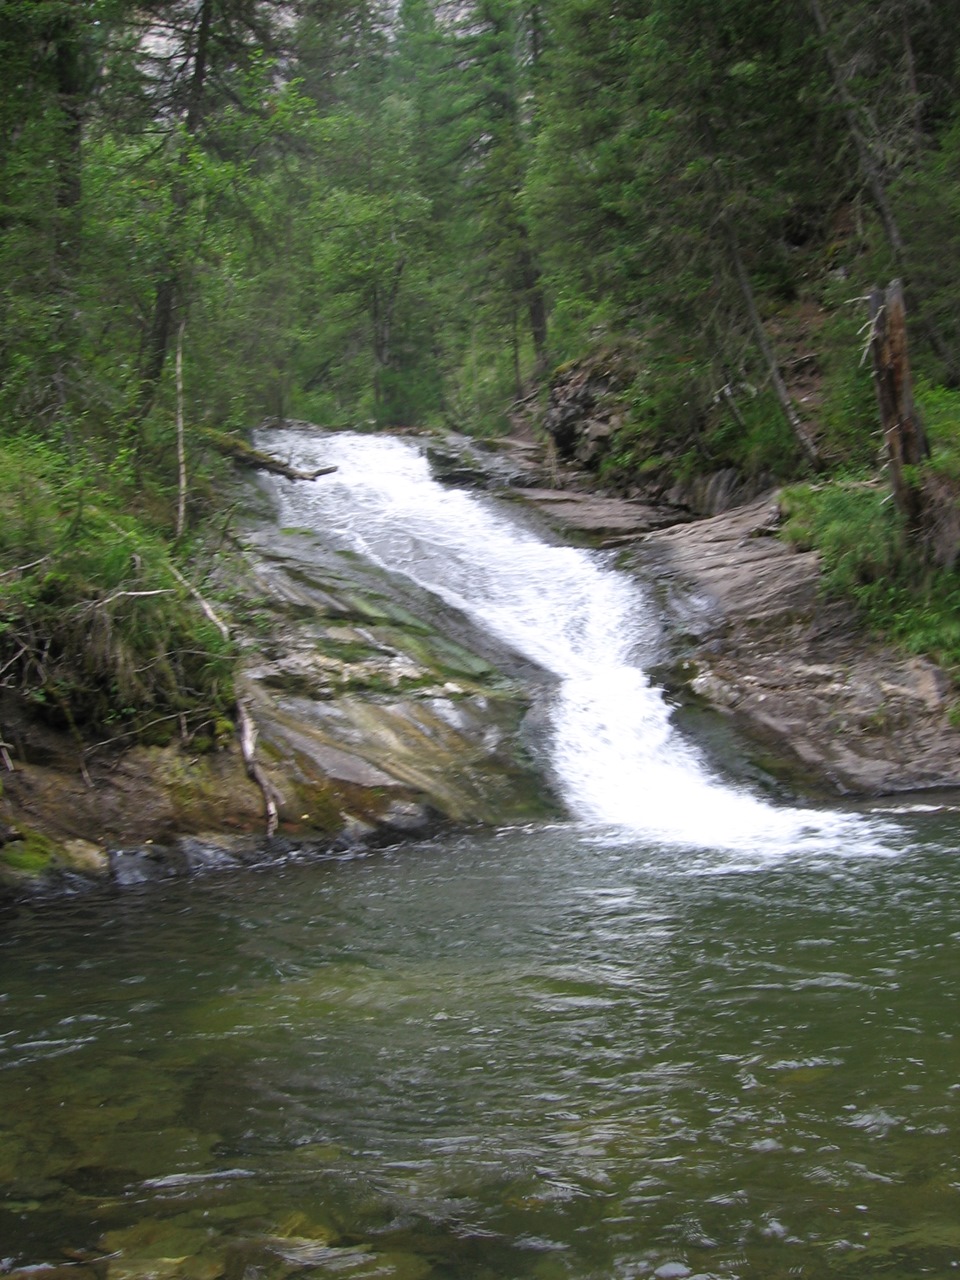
(617, 759)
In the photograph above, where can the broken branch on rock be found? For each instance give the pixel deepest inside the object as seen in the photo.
(248, 746)
(204, 604)
(247, 456)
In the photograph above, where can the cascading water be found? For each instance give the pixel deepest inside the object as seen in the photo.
(617, 759)
(690, 1034)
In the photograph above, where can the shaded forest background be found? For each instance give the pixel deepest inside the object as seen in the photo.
(364, 215)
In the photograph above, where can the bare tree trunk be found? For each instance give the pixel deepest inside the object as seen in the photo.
(903, 433)
(916, 105)
(869, 163)
(383, 308)
(787, 407)
(169, 283)
(515, 345)
(536, 303)
(872, 171)
(72, 81)
(248, 748)
(157, 340)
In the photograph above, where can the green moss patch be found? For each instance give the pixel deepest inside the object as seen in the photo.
(31, 856)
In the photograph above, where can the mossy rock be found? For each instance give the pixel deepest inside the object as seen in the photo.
(314, 806)
(32, 855)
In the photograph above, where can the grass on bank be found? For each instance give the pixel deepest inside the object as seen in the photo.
(904, 593)
(865, 559)
(97, 631)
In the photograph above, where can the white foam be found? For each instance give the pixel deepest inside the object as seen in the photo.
(615, 753)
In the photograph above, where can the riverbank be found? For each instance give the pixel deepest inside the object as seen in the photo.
(795, 671)
(369, 712)
(755, 639)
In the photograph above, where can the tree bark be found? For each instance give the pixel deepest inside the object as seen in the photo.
(248, 747)
(916, 103)
(535, 301)
(382, 310)
(72, 85)
(903, 433)
(181, 450)
(170, 282)
(865, 153)
(246, 456)
(872, 171)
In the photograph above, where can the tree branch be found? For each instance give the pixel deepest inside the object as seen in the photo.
(256, 459)
(248, 746)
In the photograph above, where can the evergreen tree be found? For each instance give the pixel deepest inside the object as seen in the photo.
(50, 57)
(497, 47)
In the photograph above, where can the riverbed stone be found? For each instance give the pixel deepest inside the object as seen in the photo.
(162, 1249)
(85, 857)
(391, 1265)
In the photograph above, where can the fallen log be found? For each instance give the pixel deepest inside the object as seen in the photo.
(247, 456)
(248, 745)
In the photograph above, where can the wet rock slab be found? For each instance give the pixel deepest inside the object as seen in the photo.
(516, 468)
(596, 514)
(759, 642)
(761, 645)
(376, 701)
(794, 671)
(379, 713)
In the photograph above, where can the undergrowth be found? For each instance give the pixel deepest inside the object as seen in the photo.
(866, 558)
(97, 630)
(849, 432)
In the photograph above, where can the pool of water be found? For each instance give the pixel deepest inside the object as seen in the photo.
(553, 1052)
(689, 1033)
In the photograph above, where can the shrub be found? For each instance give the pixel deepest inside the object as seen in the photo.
(866, 559)
(96, 627)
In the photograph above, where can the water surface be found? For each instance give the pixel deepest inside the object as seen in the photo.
(526, 1053)
(688, 1032)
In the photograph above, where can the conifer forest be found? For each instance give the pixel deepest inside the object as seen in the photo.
(425, 215)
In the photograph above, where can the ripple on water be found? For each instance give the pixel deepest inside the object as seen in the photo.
(577, 1051)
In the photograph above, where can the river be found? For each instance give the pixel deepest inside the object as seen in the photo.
(688, 1032)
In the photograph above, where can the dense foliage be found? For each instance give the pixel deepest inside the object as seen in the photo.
(363, 214)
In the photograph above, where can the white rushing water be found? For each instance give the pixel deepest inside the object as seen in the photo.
(618, 761)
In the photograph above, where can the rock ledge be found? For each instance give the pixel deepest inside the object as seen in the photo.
(793, 671)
